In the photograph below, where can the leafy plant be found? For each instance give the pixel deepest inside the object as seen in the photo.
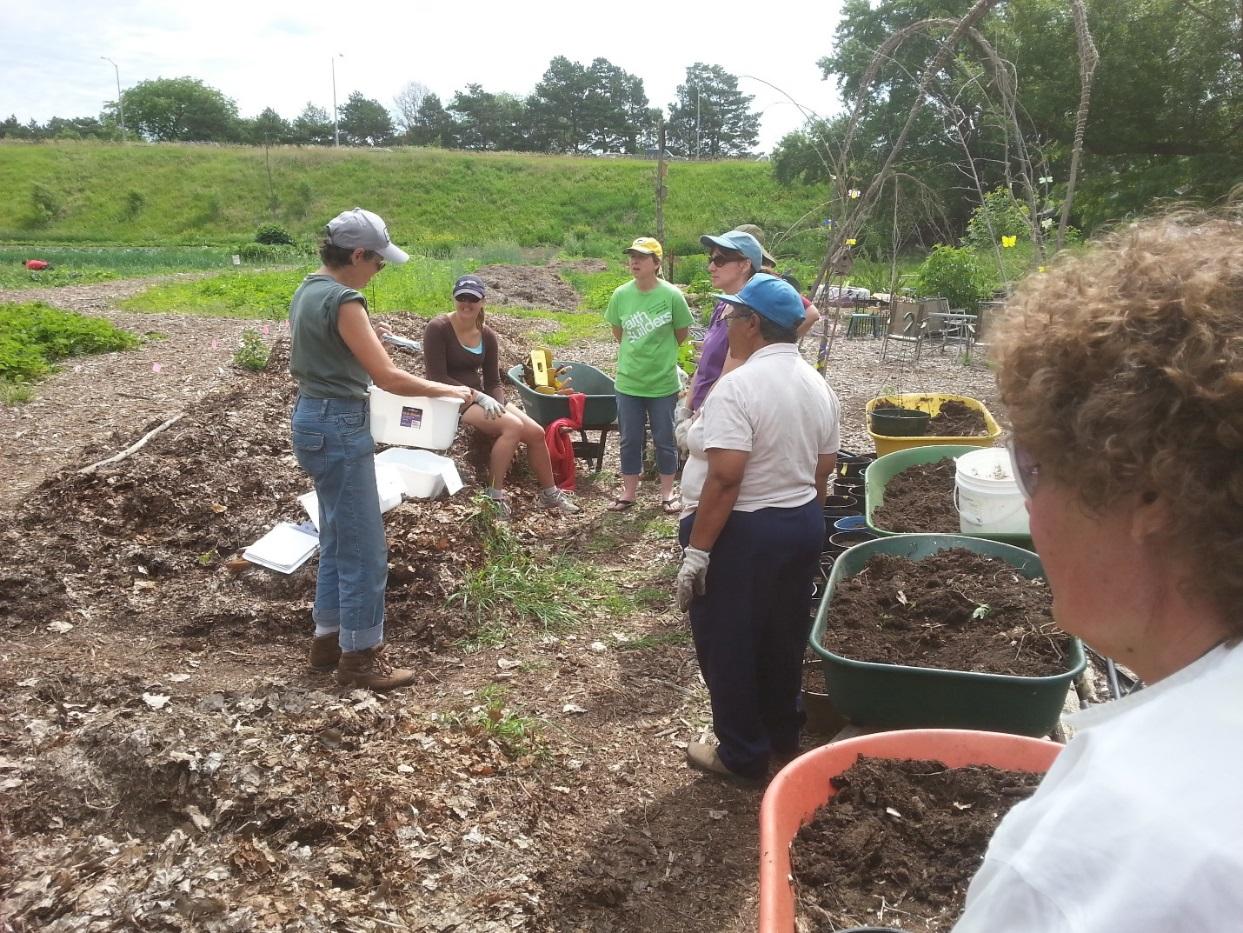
(34, 336)
(954, 273)
(135, 201)
(251, 354)
(273, 235)
(45, 204)
(1003, 214)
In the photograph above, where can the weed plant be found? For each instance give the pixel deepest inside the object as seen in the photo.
(33, 337)
(512, 588)
(251, 353)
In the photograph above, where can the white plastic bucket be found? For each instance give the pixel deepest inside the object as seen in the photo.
(987, 495)
(423, 473)
(412, 421)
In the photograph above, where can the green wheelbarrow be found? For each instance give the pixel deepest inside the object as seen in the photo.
(599, 413)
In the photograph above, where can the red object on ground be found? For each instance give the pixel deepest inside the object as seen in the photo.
(36, 264)
(561, 445)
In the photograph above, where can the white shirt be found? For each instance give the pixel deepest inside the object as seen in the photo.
(780, 410)
(1138, 826)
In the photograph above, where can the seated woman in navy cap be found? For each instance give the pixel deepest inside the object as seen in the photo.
(460, 349)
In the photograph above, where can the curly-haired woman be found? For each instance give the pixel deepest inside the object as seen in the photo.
(1122, 373)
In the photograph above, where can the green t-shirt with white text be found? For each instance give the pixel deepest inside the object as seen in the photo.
(647, 358)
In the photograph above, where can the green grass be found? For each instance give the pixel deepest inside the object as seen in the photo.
(518, 735)
(76, 265)
(512, 588)
(436, 202)
(33, 337)
(673, 638)
(421, 286)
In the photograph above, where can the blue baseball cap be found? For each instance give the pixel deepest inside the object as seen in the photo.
(738, 242)
(771, 297)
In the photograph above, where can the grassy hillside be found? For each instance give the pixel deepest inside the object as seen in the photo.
(434, 201)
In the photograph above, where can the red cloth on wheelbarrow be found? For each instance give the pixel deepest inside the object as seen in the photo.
(561, 444)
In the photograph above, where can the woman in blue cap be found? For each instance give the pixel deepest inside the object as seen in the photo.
(761, 454)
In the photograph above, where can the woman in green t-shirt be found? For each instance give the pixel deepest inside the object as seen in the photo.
(650, 319)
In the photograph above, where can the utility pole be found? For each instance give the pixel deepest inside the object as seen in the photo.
(120, 100)
(661, 192)
(697, 133)
(336, 127)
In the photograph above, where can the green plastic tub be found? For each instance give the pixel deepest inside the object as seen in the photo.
(896, 696)
(885, 468)
(600, 411)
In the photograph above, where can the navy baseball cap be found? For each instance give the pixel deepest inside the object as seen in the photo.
(469, 285)
(770, 297)
(737, 242)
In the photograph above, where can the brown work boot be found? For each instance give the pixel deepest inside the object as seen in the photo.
(369, 670)
(325, 652)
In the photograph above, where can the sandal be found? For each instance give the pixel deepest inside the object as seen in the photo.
(620, 504)
(672, 505)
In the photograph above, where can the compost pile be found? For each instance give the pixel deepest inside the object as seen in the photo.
(957, 419)
(920, 499)
(952, 610)
(156, 531)
(899, 842)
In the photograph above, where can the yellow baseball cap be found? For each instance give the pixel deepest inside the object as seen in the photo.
(646, 245)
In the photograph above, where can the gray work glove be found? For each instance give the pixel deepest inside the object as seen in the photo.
(492, 409)
(692, 576)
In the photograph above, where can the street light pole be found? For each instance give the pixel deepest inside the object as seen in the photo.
(336, 129)
(120, 100)
(698, 136)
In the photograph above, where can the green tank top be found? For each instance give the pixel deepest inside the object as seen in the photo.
(318, 357)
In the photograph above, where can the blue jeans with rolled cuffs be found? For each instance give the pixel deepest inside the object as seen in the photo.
(332, 442)
(634, 412)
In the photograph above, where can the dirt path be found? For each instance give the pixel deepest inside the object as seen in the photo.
(97, 401)
(167, 763)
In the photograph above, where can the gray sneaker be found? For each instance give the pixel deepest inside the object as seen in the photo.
(557, 500)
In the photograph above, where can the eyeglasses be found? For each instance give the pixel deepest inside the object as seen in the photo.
(1026, 471)
(739, 312)
(372, 256)
(720, 259)
(469, 299)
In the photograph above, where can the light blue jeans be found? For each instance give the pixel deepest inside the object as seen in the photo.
(332, 441)
(634, 412)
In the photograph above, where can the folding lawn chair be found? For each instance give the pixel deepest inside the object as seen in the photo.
(908, 326)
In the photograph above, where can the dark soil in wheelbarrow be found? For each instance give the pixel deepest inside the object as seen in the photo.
(899, 843)
(920, 499)
(956, 419)
(953, 610)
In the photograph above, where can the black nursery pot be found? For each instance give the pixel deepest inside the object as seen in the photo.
(899, 422)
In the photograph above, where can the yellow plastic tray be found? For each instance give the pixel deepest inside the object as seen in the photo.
(931, 403)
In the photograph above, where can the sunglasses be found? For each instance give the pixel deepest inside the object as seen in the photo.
(469, 299)
(720, 259)
(1026, 470)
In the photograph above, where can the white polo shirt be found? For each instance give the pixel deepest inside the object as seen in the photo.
(780, 410)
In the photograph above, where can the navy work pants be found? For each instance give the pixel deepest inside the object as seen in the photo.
(751, 627)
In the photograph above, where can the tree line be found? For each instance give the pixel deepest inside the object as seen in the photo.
(1166, 118)
(597, 108)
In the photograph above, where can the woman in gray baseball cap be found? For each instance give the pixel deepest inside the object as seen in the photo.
(335, 354)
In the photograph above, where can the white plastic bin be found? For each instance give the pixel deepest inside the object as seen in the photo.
(389, 489)
(412, 421)
(423, 473)
(987, 495)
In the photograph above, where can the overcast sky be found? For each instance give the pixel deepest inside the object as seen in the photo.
(280, 54)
